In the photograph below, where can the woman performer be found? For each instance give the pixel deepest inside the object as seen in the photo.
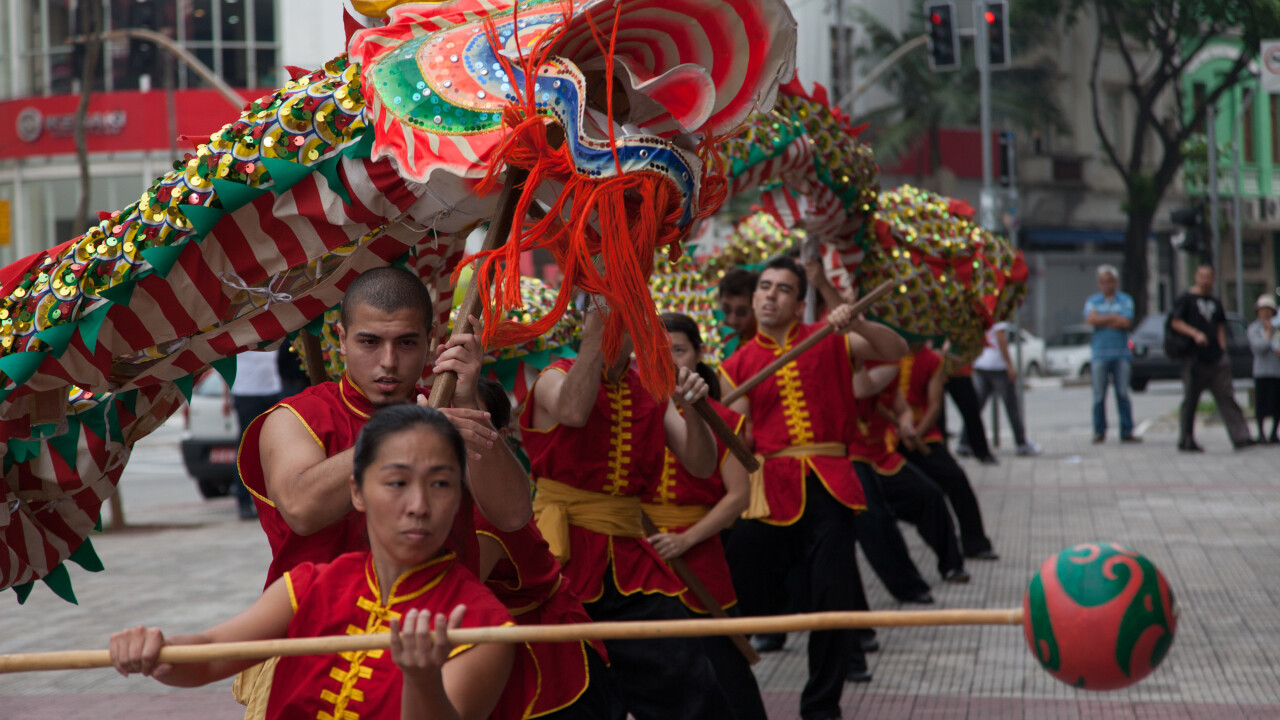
(409, 467)
(690, 513)
(551, 681)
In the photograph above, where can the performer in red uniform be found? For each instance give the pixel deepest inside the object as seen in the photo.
(800, 420)
(554, 681)
(296, 458)
(690, 512)
(409, 469)
(595, 438)
(922, 380)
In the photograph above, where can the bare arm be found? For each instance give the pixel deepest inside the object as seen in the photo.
(870, 381)
(873, 341)
(136, 650)
(310, 490)
(937, 384)
(688, 436)
(817, 276)
(721, 515)
(1181, 326)
(1002, 344)
(491, 551)
(567, 398)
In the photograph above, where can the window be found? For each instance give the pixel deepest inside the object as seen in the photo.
(236, 38)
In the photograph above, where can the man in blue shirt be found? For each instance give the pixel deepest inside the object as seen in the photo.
(1110, 312)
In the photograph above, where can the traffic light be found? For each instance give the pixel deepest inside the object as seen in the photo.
(1008, 157)
(142, 53)
(997, 20)
(944, 53)
(1195, 229)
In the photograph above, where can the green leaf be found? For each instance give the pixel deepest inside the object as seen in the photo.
(329, 169)
(23, 591)
(87, 557)
(185, 384)
(226, 367)
(163, 258)
(90, 324)
(120, 292)
(58, 337)
(59, 581)
(203, 218)
(284, 174)
(19, 367)
(234, 195)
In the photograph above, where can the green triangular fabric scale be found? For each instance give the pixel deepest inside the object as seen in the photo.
(86, 557)
(234, 195)
(58, 337)
(315, 327)
(24, 450)
(163, 258)
(95, 420)
(90, 325)
(67, 443)
(98, 525)
(59, 581)
(19, 367)
(23, 591)
(329, 169)
(129, 401)
(284, 174)
(540, 359)
(202, 217)
(362, 149)
(506, 372)
(226, 367)
(185, 384)
(120, 293)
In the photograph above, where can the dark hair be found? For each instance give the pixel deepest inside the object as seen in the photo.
(387, 289)
(393, 419)
(495, 401)
(786, 263)
(681, 323)
(738, 283)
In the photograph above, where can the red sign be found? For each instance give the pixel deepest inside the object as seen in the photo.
(116, 121)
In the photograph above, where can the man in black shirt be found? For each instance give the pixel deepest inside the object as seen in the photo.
(1199, 315)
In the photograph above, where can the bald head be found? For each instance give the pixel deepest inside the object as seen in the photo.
(389, 290)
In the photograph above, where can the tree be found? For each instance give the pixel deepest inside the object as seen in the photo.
(925, 101)
(1168, 34)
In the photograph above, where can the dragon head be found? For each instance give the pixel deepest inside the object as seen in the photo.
(613, 109)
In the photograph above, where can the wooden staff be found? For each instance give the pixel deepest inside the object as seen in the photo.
(445, 383)
(859, 307)
(700, 591)
(315, 358)
(629, 630)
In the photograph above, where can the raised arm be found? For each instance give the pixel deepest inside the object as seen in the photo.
(870, 381)
(310, 490)
(867, 340)
(137, 650)
(567, 398)
(688, 436)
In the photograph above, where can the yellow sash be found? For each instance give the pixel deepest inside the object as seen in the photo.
(557, 506)
(674, 516)
(252, 688)
(759, 506)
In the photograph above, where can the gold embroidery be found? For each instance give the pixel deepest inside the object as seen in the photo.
(620, 439)
(794, 407)
(666, 494)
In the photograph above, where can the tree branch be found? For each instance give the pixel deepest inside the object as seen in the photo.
(1097, 114)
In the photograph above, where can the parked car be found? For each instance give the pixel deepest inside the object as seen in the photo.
(212, 437)
(1069, 351)
(1033, 362)
(1150, 362)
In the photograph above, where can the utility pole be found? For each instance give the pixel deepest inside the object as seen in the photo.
(984, 98)
(1236, 220)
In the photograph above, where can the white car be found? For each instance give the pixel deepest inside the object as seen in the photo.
(1069, 351)
(212, 437)
(1033, 360)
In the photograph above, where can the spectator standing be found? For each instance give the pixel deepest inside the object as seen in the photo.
(256, 389)
(1263, 341)
(995, 372)
(1110, 313)
(1199, 315)
(973, 435)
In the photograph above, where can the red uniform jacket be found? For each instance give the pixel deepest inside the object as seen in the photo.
(333, 413)
(914, 375)
(547, 676)
(618, 452)
(343, 598)
(808, 401)
(677, 487)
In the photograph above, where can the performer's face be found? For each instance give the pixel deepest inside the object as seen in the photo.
(682, 352)
(385, 352)
(777, 302)
(411, 492)
(737, 312)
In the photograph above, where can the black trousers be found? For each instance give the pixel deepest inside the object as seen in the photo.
(658, 678)
(822, 543)
(599, 701)
(963, 394)
(734, 674)
(914, 498)
(943, 470)
(882, 541)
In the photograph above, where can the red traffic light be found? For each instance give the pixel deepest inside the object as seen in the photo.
(936, 19)
(990, 16)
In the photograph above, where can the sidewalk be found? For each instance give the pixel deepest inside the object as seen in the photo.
(1208, 521)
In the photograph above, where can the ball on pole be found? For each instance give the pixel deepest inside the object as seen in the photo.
(1099, 616)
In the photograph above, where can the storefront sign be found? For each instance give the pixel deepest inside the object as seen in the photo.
(1270, 69)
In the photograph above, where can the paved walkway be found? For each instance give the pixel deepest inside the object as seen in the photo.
(1208, 521)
